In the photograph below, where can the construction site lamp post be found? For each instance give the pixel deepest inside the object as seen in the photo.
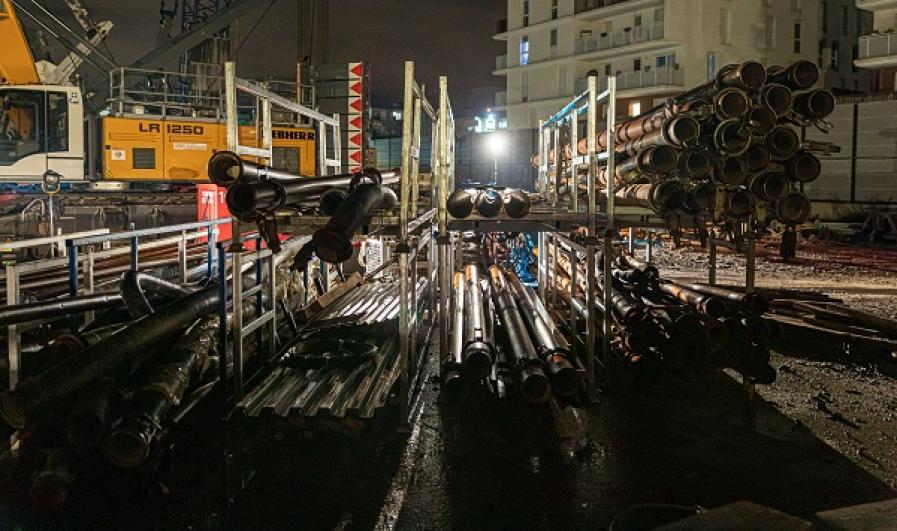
(498, 146)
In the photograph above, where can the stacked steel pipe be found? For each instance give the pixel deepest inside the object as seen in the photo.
(488, 203)
(723, 149)
(683, 328)
(537, 354)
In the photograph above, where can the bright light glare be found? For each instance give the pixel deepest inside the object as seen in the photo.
(498, 144)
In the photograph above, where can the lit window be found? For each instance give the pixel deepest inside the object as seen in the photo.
(524, 50)
(635, 108)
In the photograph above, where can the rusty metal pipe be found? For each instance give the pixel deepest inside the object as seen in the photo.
(799, 76)
(803, 167)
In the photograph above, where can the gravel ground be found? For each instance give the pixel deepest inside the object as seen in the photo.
(852, 408)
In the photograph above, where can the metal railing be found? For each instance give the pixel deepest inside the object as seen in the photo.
(649, 77)
(198, 94)
(588, 5)
(873, 46)
(635, 35)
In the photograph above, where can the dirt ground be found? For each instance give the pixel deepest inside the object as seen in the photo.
(851, 407)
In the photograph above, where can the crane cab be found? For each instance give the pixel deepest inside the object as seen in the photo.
(41, 130)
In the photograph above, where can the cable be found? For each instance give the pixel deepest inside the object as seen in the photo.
(254, 27)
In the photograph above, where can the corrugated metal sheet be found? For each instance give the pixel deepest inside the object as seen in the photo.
(869, 174)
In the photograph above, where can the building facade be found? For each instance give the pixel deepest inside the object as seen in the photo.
(878, 46)
(657, 48)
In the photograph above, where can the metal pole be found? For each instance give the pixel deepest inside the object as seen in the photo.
(444, 265)
(649, 247)
(89, 281)
(557, 165)
(574, 141)
(543, 266)
(630, 241)
(403, 249)
(591, 241)
(574, 318)
(711, 273)
(610, 230)
(750, 260)
(237, 290)
(182, 257)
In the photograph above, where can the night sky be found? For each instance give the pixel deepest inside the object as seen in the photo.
(450, 37)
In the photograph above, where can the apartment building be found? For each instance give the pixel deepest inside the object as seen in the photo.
(878, 47)
(657, 48)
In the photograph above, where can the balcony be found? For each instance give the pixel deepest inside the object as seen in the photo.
(873, 5)
(636, 35)
(588, 5)
(877, 51)
(501, 61)
(655, 78)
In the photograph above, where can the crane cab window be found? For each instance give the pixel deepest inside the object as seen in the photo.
(32, 122)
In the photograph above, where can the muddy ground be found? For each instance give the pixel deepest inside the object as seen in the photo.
(850, 406)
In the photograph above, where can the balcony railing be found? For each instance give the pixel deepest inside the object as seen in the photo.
(588, 5)
(655, 77)
(873, 46)
(501, 61)
(637, 34)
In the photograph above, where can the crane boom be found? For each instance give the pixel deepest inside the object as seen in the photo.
(16, 62)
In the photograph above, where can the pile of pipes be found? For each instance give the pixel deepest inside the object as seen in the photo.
(101, 402)
(661, 325)
(726, 149)
(498, 321)
(488, 203)
(256, 192)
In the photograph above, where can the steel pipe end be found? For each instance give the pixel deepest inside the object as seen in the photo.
(331, 200)
(477, 361)
(816, 104)
(751, 74)
(740, 204)
(517, 203)
(779, 98)
(225, 168)
(682, 130)
(126, 448)
(331, 246)
(668, 195)
(13, 411)
(714, 307)
(762, 119)
(460, 204)
(804, 167)
(782, 142)
(731, 137)
(241, 199)
(732, 172)
(776, 186)
(454, 386)
(731, 103)
(659, 159)
(564, 378)
(696, 163)
(534, 385)
(757, 157)
(803, 74)
(700, 198)
(489, 203)
(793, 209)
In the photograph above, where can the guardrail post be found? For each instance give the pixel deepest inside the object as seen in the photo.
(182, 257)
(222, 327)
(135, 254)
(89, 316)
(73, 268)
(14, 341)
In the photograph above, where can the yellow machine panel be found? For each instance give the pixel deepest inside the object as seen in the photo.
(144, 149)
